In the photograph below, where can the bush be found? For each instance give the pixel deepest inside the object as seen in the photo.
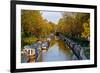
(87, 52)
(28, 41)
(79, 40)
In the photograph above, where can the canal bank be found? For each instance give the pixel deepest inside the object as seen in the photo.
(57, 51)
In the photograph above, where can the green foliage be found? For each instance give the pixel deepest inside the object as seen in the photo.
(28, 41)
(87, 52)
(33, 24)
(73, 23)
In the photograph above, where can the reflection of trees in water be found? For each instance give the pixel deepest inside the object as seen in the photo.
(63, 47)
(40, 57)
(52, 42)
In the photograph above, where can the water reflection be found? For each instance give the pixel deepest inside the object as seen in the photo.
(57, 51)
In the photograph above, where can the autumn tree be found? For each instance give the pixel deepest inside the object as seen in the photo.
(31, 22)
(72, 23)
(86, 32)
(34, 26)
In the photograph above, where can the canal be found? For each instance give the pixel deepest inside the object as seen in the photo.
(57, 51)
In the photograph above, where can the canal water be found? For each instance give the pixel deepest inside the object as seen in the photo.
(57, 51)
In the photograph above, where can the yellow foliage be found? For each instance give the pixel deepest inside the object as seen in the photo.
(30, 40)
(86, 32)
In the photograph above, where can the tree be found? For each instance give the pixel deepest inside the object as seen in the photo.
(72, 23)
(86, 32)
(31, 22)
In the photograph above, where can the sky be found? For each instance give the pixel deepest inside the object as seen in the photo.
(51, 16)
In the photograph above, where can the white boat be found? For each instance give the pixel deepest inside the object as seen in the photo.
(45, 45)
